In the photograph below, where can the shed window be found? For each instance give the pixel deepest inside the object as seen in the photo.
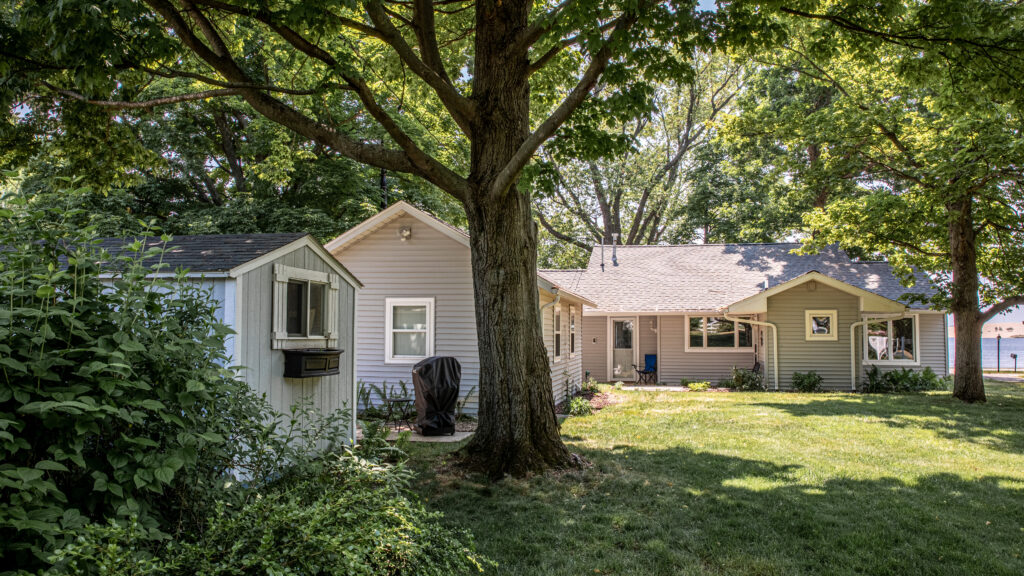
(714, 332)
(821, 325)
(891, 341)
(410, 329)
(305, 305)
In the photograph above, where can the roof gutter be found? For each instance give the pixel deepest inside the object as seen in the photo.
(775, 341)
(853, 342)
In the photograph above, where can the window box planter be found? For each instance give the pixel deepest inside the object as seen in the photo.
(312, 362)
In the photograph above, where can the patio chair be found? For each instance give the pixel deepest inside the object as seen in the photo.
(650, 370)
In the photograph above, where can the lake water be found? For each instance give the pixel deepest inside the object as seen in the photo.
(988, 353)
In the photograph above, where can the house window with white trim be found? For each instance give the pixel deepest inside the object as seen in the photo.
(891, 341)
(558, 332)
(572, 331)
(409, 327)
(717, 333)
(821, 325)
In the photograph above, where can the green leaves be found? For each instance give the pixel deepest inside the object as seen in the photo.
(93, 417)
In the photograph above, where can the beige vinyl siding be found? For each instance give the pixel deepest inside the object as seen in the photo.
(678, 363)
(263, 367)
(647, 339)
(829, 358)
(931, 342)
(565, 372)
(595, 347)
(427, 265)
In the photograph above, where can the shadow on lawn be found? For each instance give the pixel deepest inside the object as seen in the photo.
(676, 511)
(997, 424)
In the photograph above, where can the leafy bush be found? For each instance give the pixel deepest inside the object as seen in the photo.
(746, 380)
(903, 380)
(807, 381)
(126, 447)
(590, 386)
(580, 407)
(106, 389)
(698, 386)
(355, 516)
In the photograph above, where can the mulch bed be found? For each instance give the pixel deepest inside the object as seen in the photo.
(598, 400)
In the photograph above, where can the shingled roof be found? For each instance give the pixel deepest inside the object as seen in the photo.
(704, 277)
(207, 252)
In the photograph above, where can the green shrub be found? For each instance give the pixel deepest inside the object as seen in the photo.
(902, 381)
(807, 381)
(354, 516)
(106, 389)
(589, 386)
(746, 380)
(698, 386)
(580, 407)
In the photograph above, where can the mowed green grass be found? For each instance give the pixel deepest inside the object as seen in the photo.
(761, 483)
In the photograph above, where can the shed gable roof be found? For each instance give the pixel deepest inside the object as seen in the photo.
(707, 277)
(231, 254)
(206, 252)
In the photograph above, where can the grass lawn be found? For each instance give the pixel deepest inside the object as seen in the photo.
(762, 483)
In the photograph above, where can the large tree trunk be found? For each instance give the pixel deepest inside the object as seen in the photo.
(517, 432)
(968, 380)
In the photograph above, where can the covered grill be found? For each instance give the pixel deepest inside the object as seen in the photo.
(436, 381)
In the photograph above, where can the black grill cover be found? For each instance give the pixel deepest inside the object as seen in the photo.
(436, 381)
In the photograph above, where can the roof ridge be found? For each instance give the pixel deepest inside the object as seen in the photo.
(699, 245)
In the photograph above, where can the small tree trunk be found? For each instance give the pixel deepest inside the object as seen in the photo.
(968, 380)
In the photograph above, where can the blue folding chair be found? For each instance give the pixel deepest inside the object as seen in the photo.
(650, 371)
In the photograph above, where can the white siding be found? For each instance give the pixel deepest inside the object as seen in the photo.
(432, 265)
(566, 373)
(427, 265)
(263, 367)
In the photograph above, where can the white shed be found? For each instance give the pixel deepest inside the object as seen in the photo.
(281, 294)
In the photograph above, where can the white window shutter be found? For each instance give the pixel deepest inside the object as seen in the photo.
(280, 309)
(332, 309)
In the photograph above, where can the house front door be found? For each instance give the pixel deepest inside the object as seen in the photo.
(623, 343)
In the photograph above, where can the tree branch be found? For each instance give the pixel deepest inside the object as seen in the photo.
(277, 111)
(420, 162)
(579, 93)
(995, 309)
(125, 105)
(558, 234)
(461, 108)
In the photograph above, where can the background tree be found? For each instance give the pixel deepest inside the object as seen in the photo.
(634, 187)
(197, 167)
(918, 146)
(322, 69)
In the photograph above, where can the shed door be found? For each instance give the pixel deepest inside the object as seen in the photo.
(623, 343)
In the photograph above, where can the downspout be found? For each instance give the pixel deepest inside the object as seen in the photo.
(558, 296)
(853, 342)
(775, 341)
